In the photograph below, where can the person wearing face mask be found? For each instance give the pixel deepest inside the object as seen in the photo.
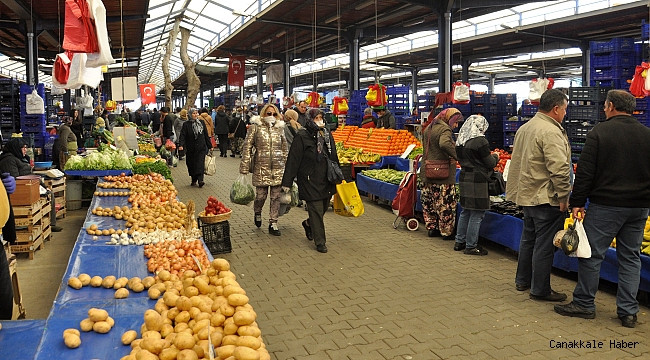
(307, 161)
(265, 154)
(195, 141)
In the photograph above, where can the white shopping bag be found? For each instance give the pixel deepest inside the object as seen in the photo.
(35, 104)
(210, 164)
(584, 249)
(536, 88)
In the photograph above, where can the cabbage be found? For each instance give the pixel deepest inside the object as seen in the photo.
(108, 159)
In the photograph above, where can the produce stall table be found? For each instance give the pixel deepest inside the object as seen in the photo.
(95, 257)
(385, 162)
(19, 339)
(97, 173)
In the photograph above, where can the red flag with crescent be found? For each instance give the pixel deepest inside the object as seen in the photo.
(236, 70)
(148, 93)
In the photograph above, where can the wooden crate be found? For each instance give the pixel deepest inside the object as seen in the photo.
(29, 247)
(55, 185)
(26, 210)
(62, 209)
(18, 308)
(47, 232)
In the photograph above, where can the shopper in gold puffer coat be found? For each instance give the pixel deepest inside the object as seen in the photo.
(266, 138)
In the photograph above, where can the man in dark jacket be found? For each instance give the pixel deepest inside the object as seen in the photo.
(307, 160)
(613, 173)
(145, 117)
(155, 120)
(221, 129)
(301, 108)
(386, 119)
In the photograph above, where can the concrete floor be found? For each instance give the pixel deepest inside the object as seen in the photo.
(379, 293)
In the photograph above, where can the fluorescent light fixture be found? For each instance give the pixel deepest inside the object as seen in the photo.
(364, 4)
(280, 34)
(414, 22)
(267, 41)
(255, 46)
(481, 48)
(594, 32)
(331, 19)
(512, 42)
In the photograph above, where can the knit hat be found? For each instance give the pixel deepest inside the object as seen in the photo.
(291, 115)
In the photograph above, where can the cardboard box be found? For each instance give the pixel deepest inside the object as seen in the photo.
(27, 192)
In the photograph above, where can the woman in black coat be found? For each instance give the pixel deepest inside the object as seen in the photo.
(196, 143)
(238, 129)
(221, 129)
(307, 160)
(476, 164)
(77, 128)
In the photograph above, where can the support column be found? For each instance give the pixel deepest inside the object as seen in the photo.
(465, 70)
(492, 79)
(287, 75)
(444, 51)
(414, 87)
(212, 95)
(586, 64)
(29, 54)
(66, 102)
(260, 80)
(354, 61)
(201, 92)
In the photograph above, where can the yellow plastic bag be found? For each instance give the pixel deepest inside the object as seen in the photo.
(347, 201)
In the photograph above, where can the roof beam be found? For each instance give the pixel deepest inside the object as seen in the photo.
(245, 52)
(319, 28)
(23, 12)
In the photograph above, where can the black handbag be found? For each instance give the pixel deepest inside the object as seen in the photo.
(334, 173)
(496, 185)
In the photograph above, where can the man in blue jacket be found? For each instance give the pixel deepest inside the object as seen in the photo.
(613, 173)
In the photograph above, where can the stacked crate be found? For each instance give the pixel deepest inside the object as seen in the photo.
(426, 102)
(398, 104)
(18, 311)
(510, 126)
(32, 227)
(57, 187)
(33, 125)
(584, 111)
(356, 105)
(9, 107)
(642, 111)
(612, 62)
(494, 107)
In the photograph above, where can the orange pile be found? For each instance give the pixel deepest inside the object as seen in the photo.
(379, 141)
(343, 133)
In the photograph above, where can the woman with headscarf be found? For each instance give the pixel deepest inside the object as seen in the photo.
(438, 196)
(196, 143)
(291, 120)
(476, 163)
(178, 126)
(77, 127)
(307, 161)
(65, 144)
(266, 137)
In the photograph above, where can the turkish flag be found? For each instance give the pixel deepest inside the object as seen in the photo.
(148, 93)
(236, 70)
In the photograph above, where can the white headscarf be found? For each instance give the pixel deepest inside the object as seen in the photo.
(473, 127)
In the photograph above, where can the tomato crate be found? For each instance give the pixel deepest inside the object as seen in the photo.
(216, 237)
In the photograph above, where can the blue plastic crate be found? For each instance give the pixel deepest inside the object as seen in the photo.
(622, 59)
(643, 117)
(578, 131)
(588, 93)
(645, 30)
(529, 110)
(394, 90)
(642, 103)
(512, 126)
(591, 113)
(612, 73)
(508, 141)
(480, 98)
(32, 127)
(616, 44)
(611, 83)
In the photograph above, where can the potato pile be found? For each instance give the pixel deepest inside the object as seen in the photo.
(120, 285)
(112, 193)
(98, 321)
(195, 312)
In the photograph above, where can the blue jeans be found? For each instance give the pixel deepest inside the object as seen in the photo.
(536, 247)
(602, 224)
(469, 223)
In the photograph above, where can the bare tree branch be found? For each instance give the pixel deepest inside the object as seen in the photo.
(193, 81)
(169, 49)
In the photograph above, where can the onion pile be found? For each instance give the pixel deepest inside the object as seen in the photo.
(176, 256)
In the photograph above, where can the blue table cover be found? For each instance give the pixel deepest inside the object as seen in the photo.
(97, 173)
(384, 162)
(20, 339)
(381, 189)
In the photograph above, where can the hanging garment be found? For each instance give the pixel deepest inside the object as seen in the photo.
(79, 32)
(104, 56)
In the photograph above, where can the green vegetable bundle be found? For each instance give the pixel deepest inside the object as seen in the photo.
(159, 167)
(108, 159)
(417, 151)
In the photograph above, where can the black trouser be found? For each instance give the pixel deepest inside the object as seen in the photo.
(198, 178)
(223, 143)
(6, 289)
(316, 210)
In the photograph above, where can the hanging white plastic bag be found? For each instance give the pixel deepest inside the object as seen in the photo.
(584, 249)
(80, 74)
(35, 103)
(536, 88)
(461, 93)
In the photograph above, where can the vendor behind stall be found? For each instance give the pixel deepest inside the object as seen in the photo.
(65, 145)
(15, 162)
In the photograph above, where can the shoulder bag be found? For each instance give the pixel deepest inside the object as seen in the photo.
(496, 185)
(435, 169)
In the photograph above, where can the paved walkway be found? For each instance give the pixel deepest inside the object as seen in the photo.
(381, 293)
